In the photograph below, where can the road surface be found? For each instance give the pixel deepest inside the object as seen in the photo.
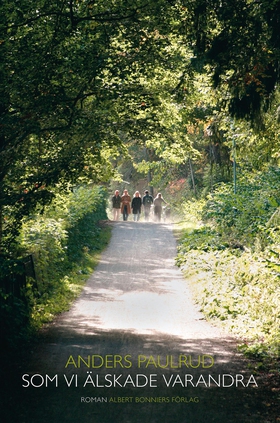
(134, 348)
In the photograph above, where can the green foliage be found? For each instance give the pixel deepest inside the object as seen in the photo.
(80, 82)
(95, 90)
(71, 86)
(238, 290)
(239, 42)
(243, 217)
(46, 239)
(67, 228)
(65, 242)
(86, 209)
(233, 262)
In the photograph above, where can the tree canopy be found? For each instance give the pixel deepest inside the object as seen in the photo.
(83, 80)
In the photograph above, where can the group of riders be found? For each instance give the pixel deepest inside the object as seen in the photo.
(123, 204)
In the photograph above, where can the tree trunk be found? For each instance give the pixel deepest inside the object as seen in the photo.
(192, 176)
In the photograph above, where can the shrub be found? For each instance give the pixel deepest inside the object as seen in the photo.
(232, 261)
(243, 217)
(61, 242)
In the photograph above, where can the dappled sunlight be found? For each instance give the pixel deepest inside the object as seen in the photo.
(88, 339)
(137, 303)
(137, 287)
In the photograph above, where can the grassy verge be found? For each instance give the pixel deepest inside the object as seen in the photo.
(69, 287)
(65, 243)
(237, 288)
(37, 310)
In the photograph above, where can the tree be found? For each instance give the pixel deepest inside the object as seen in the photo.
(70, 85)
(80, 80)
(238, 42)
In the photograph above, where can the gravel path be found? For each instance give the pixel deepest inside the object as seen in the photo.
(135, 323)
(138, 288)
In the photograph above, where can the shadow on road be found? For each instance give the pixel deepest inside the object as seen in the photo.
(133, 348)
(65, 353)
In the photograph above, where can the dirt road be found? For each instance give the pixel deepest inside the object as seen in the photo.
(134, 348)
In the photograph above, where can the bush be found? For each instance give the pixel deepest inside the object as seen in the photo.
(86, 209)
(243, 217)
(240, 291)
(232, 261)
(63, 243)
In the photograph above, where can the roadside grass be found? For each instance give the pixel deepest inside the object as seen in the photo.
(68, 287)
(21, 329)
(188, 218)
(240, 294)
(235, 287)
(65, 243)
